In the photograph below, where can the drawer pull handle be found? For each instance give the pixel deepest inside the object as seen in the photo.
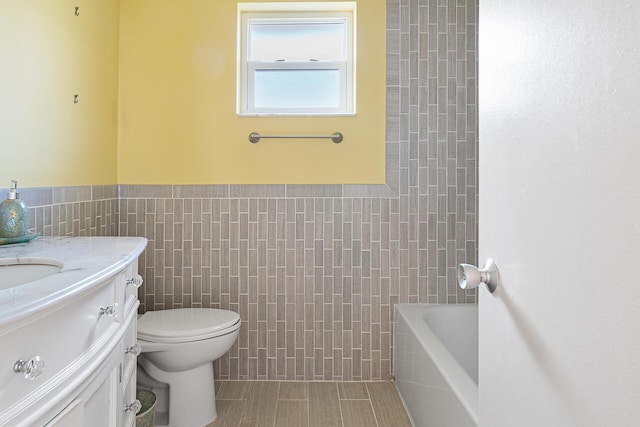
(135, 281)
(134, 406)
(135, 349)
(111, 310)
(31, 369)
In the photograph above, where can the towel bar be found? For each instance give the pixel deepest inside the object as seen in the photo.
(337, 137)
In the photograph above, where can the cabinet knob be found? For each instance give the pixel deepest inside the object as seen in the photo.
(135, 281)
(111, 310)
(31, 369)
(134, 406)
(135, 349)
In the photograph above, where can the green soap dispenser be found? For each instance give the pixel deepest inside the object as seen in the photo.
(14, 215)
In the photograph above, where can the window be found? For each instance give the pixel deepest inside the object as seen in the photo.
(296, 58)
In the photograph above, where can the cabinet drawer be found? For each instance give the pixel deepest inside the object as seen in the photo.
(63, 337)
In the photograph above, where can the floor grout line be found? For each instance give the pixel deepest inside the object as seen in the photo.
(308, 406)
(339, 405)
(375, 416)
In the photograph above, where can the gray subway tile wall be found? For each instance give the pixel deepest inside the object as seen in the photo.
(315, 270)
(73, 211)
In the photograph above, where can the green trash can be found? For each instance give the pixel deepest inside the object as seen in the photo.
(147, 414)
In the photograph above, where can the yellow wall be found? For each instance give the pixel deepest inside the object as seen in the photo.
(177, 121)
(47, 55)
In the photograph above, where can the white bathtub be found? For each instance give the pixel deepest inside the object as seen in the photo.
(435, 363)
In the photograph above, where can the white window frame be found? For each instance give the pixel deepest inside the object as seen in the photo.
(290, 12)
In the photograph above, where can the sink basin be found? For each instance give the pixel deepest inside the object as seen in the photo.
(15, 272)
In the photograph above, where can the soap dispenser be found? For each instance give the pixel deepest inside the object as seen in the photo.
(14, 215)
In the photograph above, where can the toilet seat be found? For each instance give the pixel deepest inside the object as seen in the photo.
(186, 324)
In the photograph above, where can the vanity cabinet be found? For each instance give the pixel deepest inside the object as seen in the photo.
(79, 352)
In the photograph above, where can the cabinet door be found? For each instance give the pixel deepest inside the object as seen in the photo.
(100, 406)
(95, 406)
(128, 397)
(71, 416)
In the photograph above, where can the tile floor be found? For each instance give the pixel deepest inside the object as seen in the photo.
(312, 404)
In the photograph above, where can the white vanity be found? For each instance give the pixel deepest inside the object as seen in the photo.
(68, 310)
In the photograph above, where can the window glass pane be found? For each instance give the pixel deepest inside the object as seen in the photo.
(297, 41)
(297, 88)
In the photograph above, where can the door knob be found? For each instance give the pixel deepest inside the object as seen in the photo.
(470, 276)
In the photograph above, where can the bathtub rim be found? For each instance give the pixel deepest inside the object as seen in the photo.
(458, 379)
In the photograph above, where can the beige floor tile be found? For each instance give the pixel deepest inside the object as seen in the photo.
(293, 390)
(234, 390)
(229, 413)
(260, 409)
(387, 405)
(218, 384)
(324, 406)
(309, 404)
(355, 390)
(357, 413)
(292, 413)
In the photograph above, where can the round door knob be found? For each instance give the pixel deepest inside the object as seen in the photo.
(31, 369)
(470, 276)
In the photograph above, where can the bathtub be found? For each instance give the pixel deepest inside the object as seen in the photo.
(435, 363)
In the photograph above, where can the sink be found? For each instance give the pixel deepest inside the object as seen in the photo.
(15, 272)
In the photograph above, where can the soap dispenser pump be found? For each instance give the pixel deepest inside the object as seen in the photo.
(14, 215)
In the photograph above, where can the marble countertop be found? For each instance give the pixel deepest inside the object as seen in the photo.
(87, 261)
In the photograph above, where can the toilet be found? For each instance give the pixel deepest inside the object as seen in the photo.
(178, 349)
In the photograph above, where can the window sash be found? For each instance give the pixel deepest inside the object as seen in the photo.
(295, 13)
(342, 21)
(255, 66)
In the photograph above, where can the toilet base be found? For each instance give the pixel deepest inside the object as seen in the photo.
(191, 394)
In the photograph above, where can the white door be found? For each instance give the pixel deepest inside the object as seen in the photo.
(560, 212)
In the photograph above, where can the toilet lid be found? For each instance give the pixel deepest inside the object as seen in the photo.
(186, 324)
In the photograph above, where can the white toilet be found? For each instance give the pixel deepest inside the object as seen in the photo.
(178, 350)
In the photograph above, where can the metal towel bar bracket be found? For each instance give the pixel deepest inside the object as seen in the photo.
(337, 137)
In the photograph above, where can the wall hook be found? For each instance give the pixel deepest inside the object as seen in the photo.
(77, 12)
(75, 99)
